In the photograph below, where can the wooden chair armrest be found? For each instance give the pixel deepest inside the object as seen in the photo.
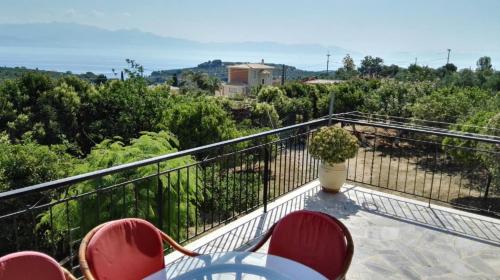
(176, 245)
(262, 241)
(68, 274)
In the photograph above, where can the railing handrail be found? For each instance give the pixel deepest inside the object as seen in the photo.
(446, 133)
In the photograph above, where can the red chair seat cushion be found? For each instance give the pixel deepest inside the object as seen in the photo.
(313, 239)
(125, 249)
(29, 265)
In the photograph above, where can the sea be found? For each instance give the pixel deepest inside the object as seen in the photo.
(103, 61)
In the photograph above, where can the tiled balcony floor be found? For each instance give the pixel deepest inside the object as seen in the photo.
(394, 237)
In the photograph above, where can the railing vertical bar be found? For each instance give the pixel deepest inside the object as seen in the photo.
(213, 201)
(159, 186)
(247, 166)
(407, 166)
(380, 172)
(285, 174)
(179, 197)
(399, 163)
(364, 162)
(374, 149)
(205, 195)
(280, 173)
(294, 169)
(389, 171)
(259, 175)
(188, 188)
(266, 177)
(306, 159)
(196, 197)
(169, 206)
(274, 172)
(233, 198)
(241, 185)
(289, 164)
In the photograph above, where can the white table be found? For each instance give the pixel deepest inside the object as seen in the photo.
(236, 265)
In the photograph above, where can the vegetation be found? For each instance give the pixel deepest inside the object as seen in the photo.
(138, 199)
(53, 126)
(333, 145)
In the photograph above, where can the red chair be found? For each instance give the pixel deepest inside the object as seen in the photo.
(314, 239)
(32, 265)
(125, 249)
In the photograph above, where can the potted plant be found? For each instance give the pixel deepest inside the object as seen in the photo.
(333, 146)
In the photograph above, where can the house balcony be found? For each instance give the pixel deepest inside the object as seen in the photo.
(413, 207)
(394, 237)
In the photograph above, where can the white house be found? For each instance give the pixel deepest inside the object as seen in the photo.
(242, 77)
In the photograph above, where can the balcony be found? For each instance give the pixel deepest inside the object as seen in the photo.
(393, 235)
(414, 208)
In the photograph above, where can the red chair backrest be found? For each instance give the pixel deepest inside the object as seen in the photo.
(313, 239)
(30, 265)
(125, 249)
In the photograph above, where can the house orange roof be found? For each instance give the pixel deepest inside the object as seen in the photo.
(251, 66)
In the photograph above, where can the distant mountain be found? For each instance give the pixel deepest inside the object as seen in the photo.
(72, 35)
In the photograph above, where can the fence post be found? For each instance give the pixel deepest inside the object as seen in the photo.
(159, 198)
(266, 176)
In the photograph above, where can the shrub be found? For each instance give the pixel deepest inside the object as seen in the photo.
(333, 145)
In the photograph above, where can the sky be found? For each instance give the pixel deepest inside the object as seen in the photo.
(377, 27)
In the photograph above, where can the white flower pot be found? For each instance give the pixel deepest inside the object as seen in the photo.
(332, 177)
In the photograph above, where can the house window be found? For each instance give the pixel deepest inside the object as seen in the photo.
(262, 81)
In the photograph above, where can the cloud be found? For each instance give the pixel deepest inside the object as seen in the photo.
(126, 14)
(97, 13)
(70, 12)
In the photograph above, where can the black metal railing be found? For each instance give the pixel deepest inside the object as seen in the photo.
(185, 193)
(188, 193)
(432, 163)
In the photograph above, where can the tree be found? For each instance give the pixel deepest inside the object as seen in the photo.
(484, 64)
(100, 79)
(348, 70)
(371, 66)
(447, 69)
(198, 121)
(198, 81)
(389, 71)
(27, 163)
(271, 94)
(490, 154)
(481, 155)
(138, 198)
(56, 118)
(122, 109)
(24, 164)
(348, 63)
(264, 115)
(392, 98)
(450, 104)
(348, 97)
(465, 78)
(417, 73)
